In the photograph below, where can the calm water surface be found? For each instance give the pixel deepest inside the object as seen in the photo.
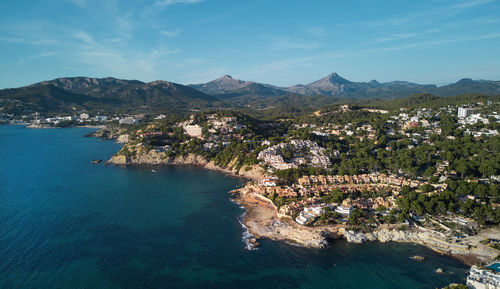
(65, 223)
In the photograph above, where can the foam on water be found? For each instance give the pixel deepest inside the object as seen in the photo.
(246, 235)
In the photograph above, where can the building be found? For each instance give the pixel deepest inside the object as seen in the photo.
(127, 120)
(484, 278)
(304, 218)
(269, 181)
(310, 213)
(104, 118)
(345, 211)
(464, 112)
(84, 116)
(193, 130)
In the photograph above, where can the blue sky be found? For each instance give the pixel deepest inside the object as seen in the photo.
(281, 42)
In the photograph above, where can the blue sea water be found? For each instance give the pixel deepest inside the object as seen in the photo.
(65, 223)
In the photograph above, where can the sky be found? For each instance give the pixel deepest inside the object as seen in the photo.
(280, 42)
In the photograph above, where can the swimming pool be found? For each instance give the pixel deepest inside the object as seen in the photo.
(495, 266)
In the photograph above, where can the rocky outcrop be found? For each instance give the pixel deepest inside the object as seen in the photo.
(462, 251)
(110, 133)
(354, 237)
(123, 138)
(142, 156)
(254, 172)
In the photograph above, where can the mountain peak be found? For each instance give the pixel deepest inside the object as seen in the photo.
(466, 81)
(226, 76)
(334, 78)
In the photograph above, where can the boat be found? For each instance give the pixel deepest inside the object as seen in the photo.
(418, 258)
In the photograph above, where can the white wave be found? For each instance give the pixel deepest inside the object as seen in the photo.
(246, 235)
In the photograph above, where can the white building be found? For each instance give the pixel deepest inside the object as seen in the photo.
(310, 213)
(193, 130)
(483, 278)
(304, 218)
(345, 211)
(269, 181)
(463, 112)
(127, 120)
(84, 116)
(103, 118)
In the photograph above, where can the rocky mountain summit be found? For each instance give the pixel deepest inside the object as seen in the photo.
(334, 85)
(229, 87)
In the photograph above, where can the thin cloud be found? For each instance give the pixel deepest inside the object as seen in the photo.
(287, 64)
(404, 36)
(164, 3)
(84, 37)
(171, 33)
(316, 31)
(41, 55)
(285, 43)
(437, 42)
(21, 40)
(469, 4)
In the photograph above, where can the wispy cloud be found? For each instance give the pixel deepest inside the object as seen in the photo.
(404, 36)
(316, 31)
(435, 43)
(286, 64)
(22, 40)
(85, 38)
(171, 33)
(40, 55)
(473, 3)
(114, 59)
(219, 17)
(285, 43)
(164, 3)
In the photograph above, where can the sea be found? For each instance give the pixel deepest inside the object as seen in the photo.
(67, 223)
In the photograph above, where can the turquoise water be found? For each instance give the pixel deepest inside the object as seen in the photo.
(65, 223)
(495, 266)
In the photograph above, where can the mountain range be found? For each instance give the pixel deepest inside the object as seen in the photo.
(337, 86)
(111, 94)
(102, 94)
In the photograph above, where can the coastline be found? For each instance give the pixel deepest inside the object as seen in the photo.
(262, 220)
(153, 158)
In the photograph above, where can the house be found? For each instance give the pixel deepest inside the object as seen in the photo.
(484, 278)
(344, 210)
(193, 130)
(269, 181)
(304, 218)
(127, 120)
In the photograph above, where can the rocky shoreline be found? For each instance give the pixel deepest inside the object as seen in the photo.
(263, 221)
(262, 218)
(153, 158)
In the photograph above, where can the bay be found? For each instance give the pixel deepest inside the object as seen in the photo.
(65, 223)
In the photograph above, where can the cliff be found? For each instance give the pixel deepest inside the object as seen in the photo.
(111, 133)
(142, 156)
